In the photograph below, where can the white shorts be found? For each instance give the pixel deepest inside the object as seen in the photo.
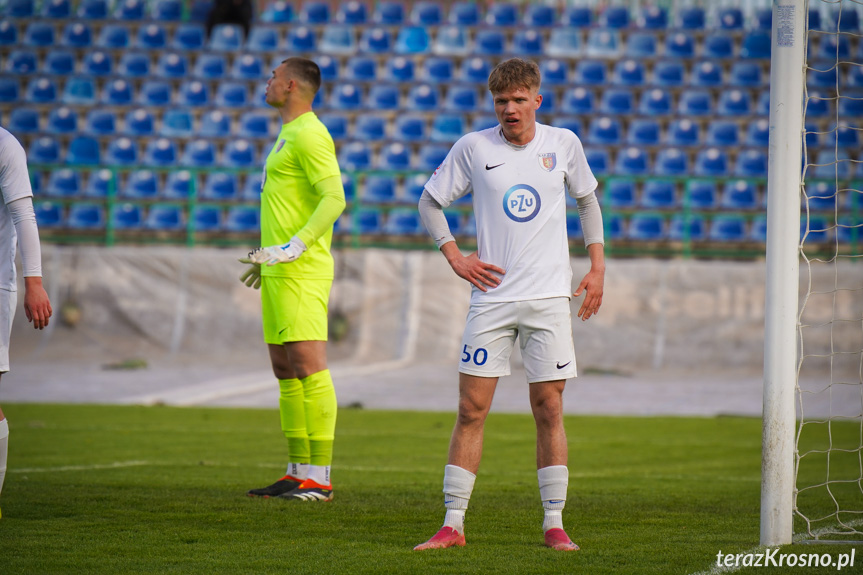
(8, 302)
(544, 330)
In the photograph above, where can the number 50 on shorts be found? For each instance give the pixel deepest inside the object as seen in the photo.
(479, 356)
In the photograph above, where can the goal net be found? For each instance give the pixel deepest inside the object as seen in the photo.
(828, 458)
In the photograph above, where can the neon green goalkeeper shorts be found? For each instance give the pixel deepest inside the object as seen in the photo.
(294, 309)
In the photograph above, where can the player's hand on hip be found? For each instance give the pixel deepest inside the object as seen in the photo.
(37, 307)
(592, 284)
(479, 273)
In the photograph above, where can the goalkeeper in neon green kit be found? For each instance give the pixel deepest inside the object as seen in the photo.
(301, 198)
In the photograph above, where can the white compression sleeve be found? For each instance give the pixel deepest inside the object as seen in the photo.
(434, 219)
(24, 219)
(591, 219)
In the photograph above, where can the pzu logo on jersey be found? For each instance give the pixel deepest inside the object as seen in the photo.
(521, 203)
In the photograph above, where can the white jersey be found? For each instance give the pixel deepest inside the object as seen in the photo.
(519, 201)
(14, 184)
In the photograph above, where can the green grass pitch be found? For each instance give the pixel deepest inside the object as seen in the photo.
(107, 489)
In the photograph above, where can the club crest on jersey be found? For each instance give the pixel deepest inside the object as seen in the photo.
(280, 145)
(521, 203)
(548, 161)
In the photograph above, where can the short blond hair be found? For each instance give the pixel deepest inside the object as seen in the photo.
(513, 74)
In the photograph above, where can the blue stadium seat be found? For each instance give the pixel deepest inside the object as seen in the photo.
(718, 46)
(763, 18)
(22, 62)
(336, 124)
(360, 68)
(86, 216)
(619, 194)
(539, 15)
(263, 39)
(845, 19)
(605, 130)
(590, 72)
(846, 136)
(127, 216)
(141, 185)
(243, 219)
(616, 101)
(97, 63)
(756, 44)
(820, 196)
(199, 153)
(758, 230)
(745, 73)
(383, 97)
(64, 183)
(314, 12)
(207, 218)
(240, 153)
(338, 39)
(463, 14)
(567, 123)
(40, 34)
(817, 106)
(379, 189)
(349, 185)
(690, 227)
(821, 75)
(629, 73)
(130, 10)
(113, 37)
(815, 231)
(757, 133)
(671, 162)
(812, 135)
(41, 90)
(643, 132)
(482, 122)
(501, 14)
(151, 37)
(706, 74)
(56, 9)
(549, 101)
(849, 107)
(475, 70)
(221, 186)
(711, 162)
(370, 128)
(691, 17)
(527, 42)
(603, 43)
(614, 17)
(279, 12)
(117, 93)
(100, 122)
(751, 163)
(154, 93)
(24, 121)
(426, 13)
(178, 122)
(134, 65)
(422, 98)
(598, 159)
(830, 47)
(375, 40)
(832, 164)
(646, 228)
(554, 72)
(248, 67)
(454, 221)
(669, 73)
(632, 161)
(122, 151)
(739, 195)
(255, 124)
(489, 42)
(404, 222)
(165, 217)
(573, 227)
(563, 43)
(366, 221)
(251, 189)
(729, 18)
(194, 93)
(301, 39)
(615, 227)
(849, 230)
(461, 98)
(179, 185)
(8, 33)
(727, 228)
(413, 188)
(640, 45)
(79, 90)
(855, 76)
(394, 156)
(172, 65)
(412, 40)
(447, 128)
(436, 69)
(576, 16)
(210, 66)
(48, 214)
(161, 152)
(431, 156)
(93, 9)
(389, 13)
(352, 12)
(683, 132)
(696, 103)
(62, 120)
(232, 95)
(724, 133)
(700, 195)
(652, 18)
(188, 37)
(83, 150)
(346, 96)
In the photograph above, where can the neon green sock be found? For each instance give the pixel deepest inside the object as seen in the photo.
(293, 415)
(320, 404)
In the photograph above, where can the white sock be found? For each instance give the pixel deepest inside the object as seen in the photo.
(457, 488)
(320, 474)
(298, 470)
(4, 449)
(553, 481)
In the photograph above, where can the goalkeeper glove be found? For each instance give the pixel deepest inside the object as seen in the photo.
(252, 276)
(278, 254)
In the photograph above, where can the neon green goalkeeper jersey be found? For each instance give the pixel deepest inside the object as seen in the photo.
(303, 156)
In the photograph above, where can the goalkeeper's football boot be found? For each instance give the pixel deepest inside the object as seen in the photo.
(446, 537)
(557, 539)
(283, 485)
(310, 490)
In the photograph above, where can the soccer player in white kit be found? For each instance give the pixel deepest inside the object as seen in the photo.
(519, 173)
(17, 226)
